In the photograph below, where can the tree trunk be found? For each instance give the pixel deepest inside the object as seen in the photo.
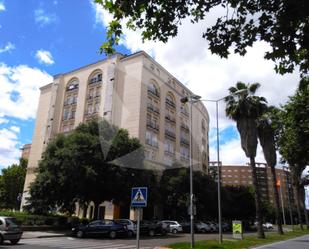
(257, 197)
(276, 196)
(300, 218)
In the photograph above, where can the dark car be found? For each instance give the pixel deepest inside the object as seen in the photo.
(9, 230)
(108, 228)
(152, 228)
(186, 226)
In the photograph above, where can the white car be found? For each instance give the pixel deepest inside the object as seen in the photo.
(174, 226)
(268, 225)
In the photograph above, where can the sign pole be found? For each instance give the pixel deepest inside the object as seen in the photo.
(138, 227)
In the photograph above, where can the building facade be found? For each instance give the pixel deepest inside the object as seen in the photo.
(132, 92)
(241, 175)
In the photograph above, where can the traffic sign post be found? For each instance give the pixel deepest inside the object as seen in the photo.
(139, 197)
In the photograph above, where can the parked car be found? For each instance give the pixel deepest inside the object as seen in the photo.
(108, 228)
(268, 225)
(152, 228)
(9, 230)
(202, 227)
(214, 227)
(131, 226)
(174, 226)
(225, 227)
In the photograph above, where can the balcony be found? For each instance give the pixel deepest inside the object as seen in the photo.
(170, 118)
(153, 108)
(184, 112)
(153, 92)
(170, 134)
(152, 125)
(184, 127)
(170, 104)
(185, 141)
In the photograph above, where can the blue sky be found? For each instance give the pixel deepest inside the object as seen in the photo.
(39, 39)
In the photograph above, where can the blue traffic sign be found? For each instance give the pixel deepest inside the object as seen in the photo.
(139, 197)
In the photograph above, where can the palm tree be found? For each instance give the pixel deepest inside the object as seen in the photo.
(245, 109)
(266, 136)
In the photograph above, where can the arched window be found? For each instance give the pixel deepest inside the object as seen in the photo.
(95, 77)
(170, 100)
(153, 89)
(72, 85)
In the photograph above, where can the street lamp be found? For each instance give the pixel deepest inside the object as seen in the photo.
(242, 91)
(191, 99)
(194, 99)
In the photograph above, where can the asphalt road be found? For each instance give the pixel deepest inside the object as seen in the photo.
(102, 243)
(297, 243)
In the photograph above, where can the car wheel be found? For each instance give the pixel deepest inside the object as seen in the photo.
(112, 234)
(130, 233)
(174, 231)
(80, 234)
(1, 239)
(14, 241)
(151, 233)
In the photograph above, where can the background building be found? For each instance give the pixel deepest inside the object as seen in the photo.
(25, 151)
(240, 175)
(132, 92)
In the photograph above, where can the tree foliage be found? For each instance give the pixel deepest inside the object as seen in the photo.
(11, 184)
(83, 166)
(174, 189)
(291, 123)
(283, 24)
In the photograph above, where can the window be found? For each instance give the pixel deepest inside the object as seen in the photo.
(72, 85)
(89, 109)
(184, 110)
(66, 113)
(97, 107)
(184, 152)
(170, 102)
(97, 77)
(153, 89)
(169, 146)
(151, 139)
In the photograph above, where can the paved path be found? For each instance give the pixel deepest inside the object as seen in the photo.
(297, 243)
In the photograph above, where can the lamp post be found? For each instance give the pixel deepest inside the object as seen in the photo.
(191, 99)
(218, 158)
(194, 99)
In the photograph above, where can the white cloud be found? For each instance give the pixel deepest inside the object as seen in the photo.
(42, 18)
(19, 90)
(8, 47)
(15, 129)
(2, 7)
(9, 147)
(187, 57)
(44, 57)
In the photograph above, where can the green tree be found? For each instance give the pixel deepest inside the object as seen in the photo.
(245, 109)
(283, 24)
(12, 184)
(266, 135)
(292, 136)
(74, 167)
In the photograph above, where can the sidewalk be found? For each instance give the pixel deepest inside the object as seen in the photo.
(45, 234)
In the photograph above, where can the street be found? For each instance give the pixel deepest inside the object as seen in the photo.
(102, 243)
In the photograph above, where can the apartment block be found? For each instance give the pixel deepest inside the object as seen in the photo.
(132, 92)
(241, 175)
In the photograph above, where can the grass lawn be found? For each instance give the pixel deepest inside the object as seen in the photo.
(247, 242)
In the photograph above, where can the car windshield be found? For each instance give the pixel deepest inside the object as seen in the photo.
(12, 222)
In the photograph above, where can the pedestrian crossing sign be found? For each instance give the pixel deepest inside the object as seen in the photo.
(139, 197)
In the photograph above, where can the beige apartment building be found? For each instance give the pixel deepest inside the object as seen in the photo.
(132, 92)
